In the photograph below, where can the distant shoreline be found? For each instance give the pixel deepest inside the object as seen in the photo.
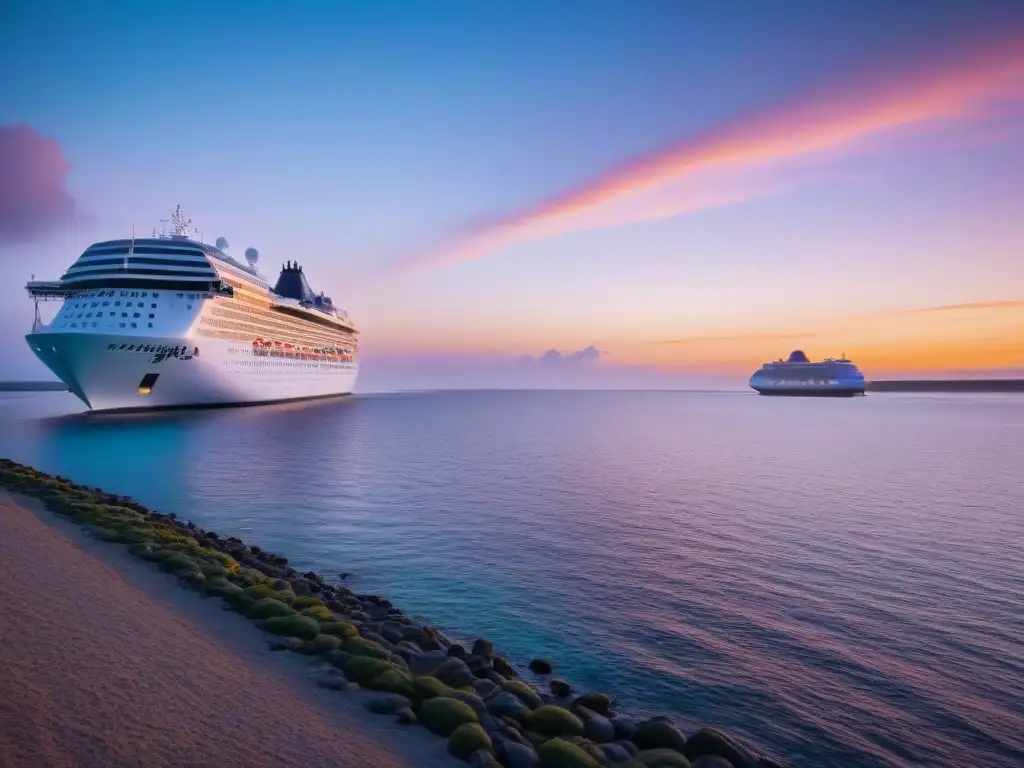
(33, 386)
(950, 385)
(965, 386)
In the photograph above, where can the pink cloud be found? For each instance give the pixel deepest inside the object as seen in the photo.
(33, 172)
(961, 86)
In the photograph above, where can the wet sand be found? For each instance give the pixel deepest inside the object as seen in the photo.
(105, 661)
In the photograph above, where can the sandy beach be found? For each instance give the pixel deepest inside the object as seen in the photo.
(105, 661)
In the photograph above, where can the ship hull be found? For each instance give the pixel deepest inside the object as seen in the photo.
(133, 372)
(809, 392)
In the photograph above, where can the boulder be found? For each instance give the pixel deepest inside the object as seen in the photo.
(472, 700)
(339, 629)
(712, 761)
(615, 753)
(541, 667)
(507, 704)
(596, 727)
(428, 688)
(292, 626)
(560, 688)
(467, 739)
(660, 758)
(659, 734)
(359, 646)
(483, 648)
(525, 693)
(558, 753)
(407, 717)
(483, 758)
(426, 662)
(624, 727)
(454, 672)
(478, 665)
(392, 681)
(502, 667)
(392, 632)
(324, 643)
(442, 715)
(595, 701)
(484, 688)
(554, 721)
(711, 741)
(514, 754)
(299, 586)
(362, 669)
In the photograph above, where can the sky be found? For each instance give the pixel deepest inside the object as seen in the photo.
(573, 193)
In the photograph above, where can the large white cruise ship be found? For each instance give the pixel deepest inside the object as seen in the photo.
(169, 321)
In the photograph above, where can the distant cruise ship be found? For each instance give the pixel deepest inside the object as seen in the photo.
(168, 321)
(799, 376)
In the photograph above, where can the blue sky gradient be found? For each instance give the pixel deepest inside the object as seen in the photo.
(346, 134)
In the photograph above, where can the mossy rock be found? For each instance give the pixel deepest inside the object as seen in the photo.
(306, 601)
(558, 753)
(595, 702)
(393, 681)
(467, 739)
(291, 626)
(550, 720)
(362, 669)
(658, 734)
(659, 758)
(179, 564)
(220, 587)
(211, 570)
(429, 688)
(524, 692)
(442, 715)
(360, 646)
(240, 602)
(286, 596)
(269, 607)
(340, 629)
(318, 612)
(324, 643)
(260, 592)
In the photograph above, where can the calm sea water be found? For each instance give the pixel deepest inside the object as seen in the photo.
(841, 582)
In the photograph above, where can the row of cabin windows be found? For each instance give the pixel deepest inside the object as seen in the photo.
(129, 294)
(69, 313)
(122, 325)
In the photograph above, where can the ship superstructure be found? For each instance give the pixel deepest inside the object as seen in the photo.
(169, 320)
(832, 377)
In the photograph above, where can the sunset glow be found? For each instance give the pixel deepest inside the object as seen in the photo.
(663, 188)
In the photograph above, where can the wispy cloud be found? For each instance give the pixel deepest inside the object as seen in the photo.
(837, 120)
(726, 338)
(966, 307)
(845, 325)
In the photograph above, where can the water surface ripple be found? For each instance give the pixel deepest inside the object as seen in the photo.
(838, 581)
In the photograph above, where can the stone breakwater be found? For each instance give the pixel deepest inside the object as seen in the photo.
(473, 698)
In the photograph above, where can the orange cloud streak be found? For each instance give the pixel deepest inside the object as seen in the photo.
(960, 87)
(981, 335)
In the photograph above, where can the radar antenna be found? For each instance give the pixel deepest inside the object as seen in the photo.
(180, 223)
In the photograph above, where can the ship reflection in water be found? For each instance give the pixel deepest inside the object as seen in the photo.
(833, 377)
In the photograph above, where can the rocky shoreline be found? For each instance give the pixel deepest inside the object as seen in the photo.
(473, 698)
